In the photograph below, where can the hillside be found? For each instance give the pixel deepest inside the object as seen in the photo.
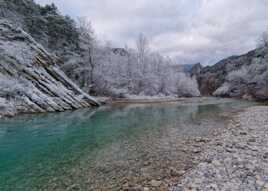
(30, 78)
(244, 76)
(54, 31)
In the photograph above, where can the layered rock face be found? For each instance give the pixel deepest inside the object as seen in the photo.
(30, 79)
(243, 76)
(55, 32)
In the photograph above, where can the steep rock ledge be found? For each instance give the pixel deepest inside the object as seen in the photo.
(30, 79)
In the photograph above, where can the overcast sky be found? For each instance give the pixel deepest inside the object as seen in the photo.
(189, 30)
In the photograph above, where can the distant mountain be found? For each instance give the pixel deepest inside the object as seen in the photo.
(187, 67)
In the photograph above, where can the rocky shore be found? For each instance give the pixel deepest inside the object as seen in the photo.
(237, 159)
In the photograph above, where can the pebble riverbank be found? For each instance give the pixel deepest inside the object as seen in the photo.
(237, 159)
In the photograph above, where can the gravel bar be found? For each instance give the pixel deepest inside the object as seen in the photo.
(237, 159)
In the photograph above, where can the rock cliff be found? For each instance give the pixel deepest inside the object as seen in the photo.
(244, 76)
(30, 78)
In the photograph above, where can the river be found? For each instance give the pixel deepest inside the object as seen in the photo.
(109, 148)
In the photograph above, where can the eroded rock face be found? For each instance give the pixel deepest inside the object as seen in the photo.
(243, 76)
(30, 79)
(212, 77)
(196, 69)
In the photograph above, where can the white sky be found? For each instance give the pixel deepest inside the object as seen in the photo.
(189, 30)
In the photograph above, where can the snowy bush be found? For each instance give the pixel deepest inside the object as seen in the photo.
(223, 90)
(239, 76)
(187, 86)
(255, 72)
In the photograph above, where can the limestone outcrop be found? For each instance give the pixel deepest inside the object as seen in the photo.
(30, 78)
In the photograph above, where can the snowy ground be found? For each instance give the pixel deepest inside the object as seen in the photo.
(146, 99)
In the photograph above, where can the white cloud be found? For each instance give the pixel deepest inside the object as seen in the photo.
(189, 30)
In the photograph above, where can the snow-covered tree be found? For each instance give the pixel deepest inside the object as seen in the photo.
(263, 40)
(81, 67)
(121, 72)
(142, 44)
(87, 44)
(187, 86)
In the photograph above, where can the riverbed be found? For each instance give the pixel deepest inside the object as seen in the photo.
(115, 147)
(234, 160)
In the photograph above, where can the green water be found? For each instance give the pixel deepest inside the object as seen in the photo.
(81, 149)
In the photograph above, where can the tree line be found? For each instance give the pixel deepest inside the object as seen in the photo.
(123, 72)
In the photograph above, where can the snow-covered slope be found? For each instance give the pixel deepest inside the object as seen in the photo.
(30, 79)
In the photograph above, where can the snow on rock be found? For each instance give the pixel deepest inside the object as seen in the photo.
(244, 76)
(30, 79)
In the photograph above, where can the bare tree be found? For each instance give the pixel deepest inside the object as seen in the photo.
(136, 72)
(88, 44)
(142, 50)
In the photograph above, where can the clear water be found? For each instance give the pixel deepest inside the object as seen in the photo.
(94, 149)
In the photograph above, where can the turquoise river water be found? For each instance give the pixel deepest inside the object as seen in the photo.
(105, 148)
